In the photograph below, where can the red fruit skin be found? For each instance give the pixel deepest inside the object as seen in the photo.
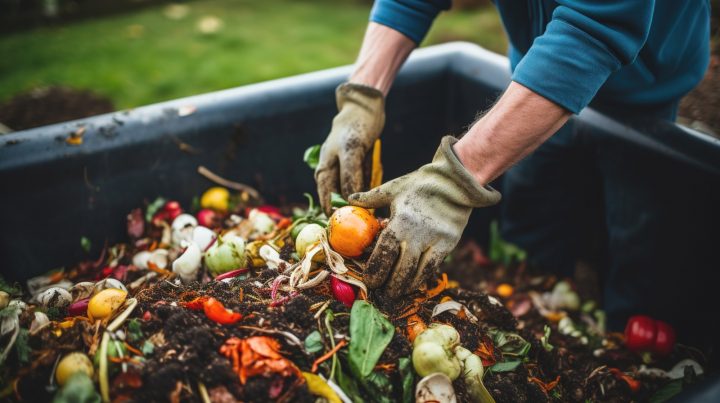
(173, 209)
(342, 291)
(664, 338)
(640, 333)
(206, 217)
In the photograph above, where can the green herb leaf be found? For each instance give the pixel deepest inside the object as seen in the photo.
(153, 207)
(78, 389)
(505, 366)
(408, 378)
(545, 340)
(312, 156)
(370, 334)
(667, 392)
(313, 343)
(135, 332)
(337, 201)
(85, 244)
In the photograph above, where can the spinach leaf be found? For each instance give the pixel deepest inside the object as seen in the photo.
(337, 201)
(370, 334)
(378, 387)
(506, 366)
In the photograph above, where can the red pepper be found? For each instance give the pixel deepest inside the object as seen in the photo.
(195, 304)
(633, 383)
(216, 311)
(645, 334)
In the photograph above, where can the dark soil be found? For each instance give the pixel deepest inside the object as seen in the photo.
(703, 103)
(44, 106)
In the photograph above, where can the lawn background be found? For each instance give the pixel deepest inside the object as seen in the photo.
(144, 56)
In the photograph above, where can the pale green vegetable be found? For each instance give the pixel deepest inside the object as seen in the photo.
(309, 235)
(433, 351)
(227, 254)
(472, 375)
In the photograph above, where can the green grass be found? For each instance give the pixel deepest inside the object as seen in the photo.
(145, 57)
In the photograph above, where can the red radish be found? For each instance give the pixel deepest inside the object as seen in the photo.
(206, 217)
(79, 308)
(342, 291)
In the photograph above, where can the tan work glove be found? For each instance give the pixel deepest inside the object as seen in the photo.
(429, 209)
(355, 128)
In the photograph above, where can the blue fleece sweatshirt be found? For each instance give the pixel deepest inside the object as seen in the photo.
(637, 55)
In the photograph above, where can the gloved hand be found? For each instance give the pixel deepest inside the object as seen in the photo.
(355, 128)
(429, 209)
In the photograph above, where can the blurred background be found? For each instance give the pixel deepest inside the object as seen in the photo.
(66, 59)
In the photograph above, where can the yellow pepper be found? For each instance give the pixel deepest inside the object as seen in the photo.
(319, 387)
(216, 198)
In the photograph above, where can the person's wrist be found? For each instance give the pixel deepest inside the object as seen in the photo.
(464, 152)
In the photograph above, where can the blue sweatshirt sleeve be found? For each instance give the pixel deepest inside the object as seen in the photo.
(411, 18)
(584, 43)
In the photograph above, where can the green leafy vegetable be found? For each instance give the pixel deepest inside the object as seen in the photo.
(505, 366)
(13, 289)
(408, 377)
(545, 339)
(78, 389)
(312, 156)
(337, 201)
(348, 384)
(378, 386)
(85, 244)
(510, 343)
(153, 207)
(502, 251)
(22, 346)
(313, 343)
(370, 334)
(667, 392)
(135, 332)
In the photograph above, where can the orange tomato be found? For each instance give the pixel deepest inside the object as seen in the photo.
(505, 290)
(351, 230)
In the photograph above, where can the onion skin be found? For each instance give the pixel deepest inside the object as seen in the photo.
(79, 308)
(231, 274)
(342, 291)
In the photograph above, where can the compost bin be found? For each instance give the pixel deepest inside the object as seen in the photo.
(80, 178)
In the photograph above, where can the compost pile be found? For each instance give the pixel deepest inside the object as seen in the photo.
(247, 302)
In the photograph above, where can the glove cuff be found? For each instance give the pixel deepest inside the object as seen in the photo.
(473, 194)
(361, 95)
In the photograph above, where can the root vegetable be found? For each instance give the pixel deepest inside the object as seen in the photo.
(342, 291)
(71, 364)
(206, 217)
(351, 230)
(472, 375)
(228, 253)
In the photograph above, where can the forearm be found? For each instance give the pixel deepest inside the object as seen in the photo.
(383, 52)
(519, 122)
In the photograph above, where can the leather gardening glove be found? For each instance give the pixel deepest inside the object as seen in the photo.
(355, 128)
(429, 209)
